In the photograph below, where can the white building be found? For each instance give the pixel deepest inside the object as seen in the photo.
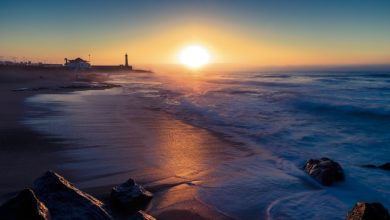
(77, 63)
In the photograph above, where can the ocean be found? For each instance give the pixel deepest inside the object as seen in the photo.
(274, 122)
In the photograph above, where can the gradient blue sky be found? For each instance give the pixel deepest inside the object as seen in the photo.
(252, 32)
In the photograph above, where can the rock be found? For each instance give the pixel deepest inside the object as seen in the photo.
(65, 201)
(24, 206)
(368, 211)
(385, 166)
(324, 170)
(129, 196)
(140, 215)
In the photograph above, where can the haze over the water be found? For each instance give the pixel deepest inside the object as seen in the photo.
(258, 33)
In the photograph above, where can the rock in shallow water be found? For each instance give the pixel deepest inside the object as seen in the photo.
(324, 170)
(66, 201)
(368, 211)
(129, 196)
(24, 206)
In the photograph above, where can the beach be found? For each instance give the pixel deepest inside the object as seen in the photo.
(24, 153)
(207, 146)
(27, 154)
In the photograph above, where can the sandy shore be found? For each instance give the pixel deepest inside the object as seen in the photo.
(25, 154)
(20, 161)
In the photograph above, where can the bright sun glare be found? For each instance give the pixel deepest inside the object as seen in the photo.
(194, 56)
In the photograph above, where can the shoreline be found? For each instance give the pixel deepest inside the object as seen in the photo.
(102, 138)
(25, 153)
(33, 153)
(162, 161)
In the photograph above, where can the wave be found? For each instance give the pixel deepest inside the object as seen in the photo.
(345, 110)
(254, 83)
(273, 137)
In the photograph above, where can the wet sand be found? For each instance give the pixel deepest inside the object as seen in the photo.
(25, 154)
(172, 159)
(169, 157)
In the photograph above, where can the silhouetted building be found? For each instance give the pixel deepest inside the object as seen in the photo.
(126, 61)
(77, 63)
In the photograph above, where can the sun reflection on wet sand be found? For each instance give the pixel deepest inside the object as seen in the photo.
(168, 156)
(190, 155)
(180, 148)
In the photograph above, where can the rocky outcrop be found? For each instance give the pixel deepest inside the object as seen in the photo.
(129, 196)
(24, 206)
(368, 211)
(52, 197)
(66, 201)
(324, 170)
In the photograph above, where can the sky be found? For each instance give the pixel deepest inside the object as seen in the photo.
(259, 33)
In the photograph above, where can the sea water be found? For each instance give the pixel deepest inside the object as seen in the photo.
(279, 119)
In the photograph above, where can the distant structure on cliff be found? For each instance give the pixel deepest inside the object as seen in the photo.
(110, 68)
(77, 63)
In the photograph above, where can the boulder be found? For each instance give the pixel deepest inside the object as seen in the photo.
(129, 196)
(65, 201)
(324, 170)
(140, 215)
(24, 206)
(368, 211)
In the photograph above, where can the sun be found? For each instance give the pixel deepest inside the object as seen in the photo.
(194, 56)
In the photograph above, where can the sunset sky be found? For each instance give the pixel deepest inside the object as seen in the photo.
(238, 32)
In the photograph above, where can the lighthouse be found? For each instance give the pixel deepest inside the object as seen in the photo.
(126, 61)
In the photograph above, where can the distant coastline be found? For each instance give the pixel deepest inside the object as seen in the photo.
(60, 67)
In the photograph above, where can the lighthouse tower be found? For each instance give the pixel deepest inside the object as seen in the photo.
(126, 61)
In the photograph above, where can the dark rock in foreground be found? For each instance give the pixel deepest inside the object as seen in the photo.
(24, 206)
(66, 201)
(129, 196)
(324, 170)
(53, 198)
(368, 211)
